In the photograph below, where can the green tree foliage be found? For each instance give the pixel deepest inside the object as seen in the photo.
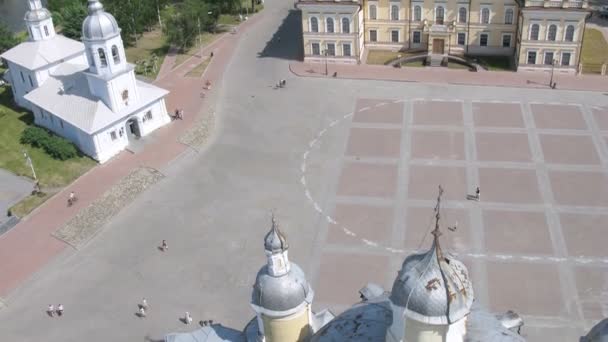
(7, 38)
(182, 23)
(70, 17)
(54, 145)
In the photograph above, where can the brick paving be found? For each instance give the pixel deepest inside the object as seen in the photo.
(30, 245)
(444, 75)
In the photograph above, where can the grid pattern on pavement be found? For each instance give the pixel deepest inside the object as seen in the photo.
(534, 243)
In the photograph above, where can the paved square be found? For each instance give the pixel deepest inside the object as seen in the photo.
(558, 116)
(516, 232)
(366, 221)
(585, 234)
(568, 149)
(365, 179)
(497, 115)
(600, 115)
(437, 145)
(437, 113)
(378, 111)
(592, 283)
(509, 185)
(420, 223)
(509, 147)
(580, 188)
(374, 142)
(453, 180)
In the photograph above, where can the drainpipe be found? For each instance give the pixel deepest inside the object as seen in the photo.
(580, 49)
(409, 26)
(468, 29)
(520, 30)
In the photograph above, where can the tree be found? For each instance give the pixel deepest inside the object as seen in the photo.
(7, 38)
(70, 19)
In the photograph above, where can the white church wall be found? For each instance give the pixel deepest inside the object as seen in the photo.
(21, 86)
(44, 73)
(158, 117)
(111, 140)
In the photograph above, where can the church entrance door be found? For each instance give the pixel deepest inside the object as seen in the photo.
(133, 128)
(438, 46)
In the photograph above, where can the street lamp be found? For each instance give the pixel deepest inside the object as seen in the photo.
(551, 84)
(28, 160)
(325, 52)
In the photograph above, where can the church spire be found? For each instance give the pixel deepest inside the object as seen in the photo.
(275, 245)
(39, 21)
(34, 4)
(436, 232)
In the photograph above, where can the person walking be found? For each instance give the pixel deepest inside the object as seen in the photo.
(187, 318)
(142, 312)
(144, 304)
(60, 310)
(71, 198)
(51, 310)
(164, 246)
(477, 192)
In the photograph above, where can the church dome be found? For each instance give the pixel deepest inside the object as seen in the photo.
(99, 24)
(281, 293)
(433, 288)
(275, 241)
(37, 14)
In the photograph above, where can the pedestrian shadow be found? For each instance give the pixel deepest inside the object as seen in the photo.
(472, 197)
(138, 314)
(286, 43)
(183, 320)
(149, 339)
(160, 248)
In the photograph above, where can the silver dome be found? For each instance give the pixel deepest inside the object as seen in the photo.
(281, 293)
(99, 24)
(599, 333)
(37, 14)
(275, 241)
(423, 284)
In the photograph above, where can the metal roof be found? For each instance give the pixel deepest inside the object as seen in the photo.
(282, 293)
(33, 55)
(99, 24)
(275, 241)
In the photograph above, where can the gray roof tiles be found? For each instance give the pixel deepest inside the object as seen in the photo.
(34, 55)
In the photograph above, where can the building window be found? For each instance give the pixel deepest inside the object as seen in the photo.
(346, 50)
(373, 35)
(52, 119)
(329, 25)
(102, 57)
(531, 57)
(345, 25)
(416, 37)
(394, 36)
(439, 13)
(121, 131)
(569, 36)
(462, 38)
(115, 54)
(462, 15)
(565, 58)
(113, 135)
(316, 49)
(372, 11)
(331, 49)
(22, 78)
(30, 78)
(534, 32)
(314, 24)
(506, 40)
(548, 58)
(552, 32)
(148, 115)
(61, 123)
(125, 95)
(417, 13)
(46, 31)
(394, 12)
(509, 16)
(485, 15)
(483, 39)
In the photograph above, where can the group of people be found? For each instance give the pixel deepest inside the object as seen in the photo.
(51, 310)
(281, 84)
(143, 307)
(179, 114)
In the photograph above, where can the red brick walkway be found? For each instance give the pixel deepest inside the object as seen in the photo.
(443, 75)
(29, 246)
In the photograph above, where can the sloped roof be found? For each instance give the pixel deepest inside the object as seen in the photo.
(213, 333)
(66, 94)
(34, 55)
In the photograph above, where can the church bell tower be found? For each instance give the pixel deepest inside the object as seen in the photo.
(39, 21)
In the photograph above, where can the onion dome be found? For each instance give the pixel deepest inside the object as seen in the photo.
(38, 14)
(275, 241)
(282, 293)
(433, 287)
(99, 24)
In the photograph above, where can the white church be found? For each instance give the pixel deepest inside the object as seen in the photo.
(86, 92)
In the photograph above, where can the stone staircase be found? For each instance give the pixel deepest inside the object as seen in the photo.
(436, 60)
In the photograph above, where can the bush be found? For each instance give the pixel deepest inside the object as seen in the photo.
(55, 146)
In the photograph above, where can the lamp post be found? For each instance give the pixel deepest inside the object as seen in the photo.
(325, 52)
(28, 160)
(552, 68)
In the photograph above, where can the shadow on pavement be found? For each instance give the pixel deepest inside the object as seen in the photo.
(286, 43)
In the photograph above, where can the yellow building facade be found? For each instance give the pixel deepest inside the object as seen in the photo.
(340, 31)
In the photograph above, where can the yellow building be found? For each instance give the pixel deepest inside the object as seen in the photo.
(339, 31)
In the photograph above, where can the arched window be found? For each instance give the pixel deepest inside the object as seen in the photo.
(552, 32)
(462, 15)
(115, 54)
(509, 16)
(569, 37)
(345, 25)
(534, 32)
(394, 12)
(372, 11)
(485, 16)
(46, 30)
(439, 12)
(417, 13)
(329, 25)
(102, 57)
(314, 24)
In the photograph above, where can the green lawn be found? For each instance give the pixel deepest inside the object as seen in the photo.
(199, 70)
(414, 64)
(381, 57)
(206, 38)
(494, 63)
(228, 19)
(456, 65)
(594, 52)
(50, 172)
(150, 44)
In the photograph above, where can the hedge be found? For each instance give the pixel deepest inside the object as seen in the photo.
(54, 145)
